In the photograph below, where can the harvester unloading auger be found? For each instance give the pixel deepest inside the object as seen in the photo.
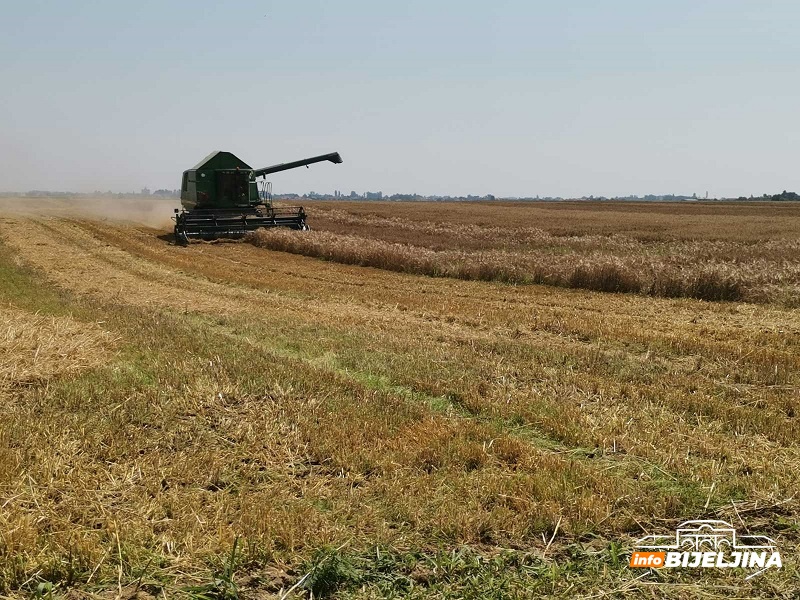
(221, 198)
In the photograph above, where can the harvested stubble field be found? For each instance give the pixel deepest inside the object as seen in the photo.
(224, 421)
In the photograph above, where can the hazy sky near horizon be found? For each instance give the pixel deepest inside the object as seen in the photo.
(509, 97)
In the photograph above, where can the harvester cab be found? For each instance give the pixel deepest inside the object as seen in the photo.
(220, 198)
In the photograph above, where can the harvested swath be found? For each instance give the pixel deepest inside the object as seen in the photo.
(597, 271)
(35, 348)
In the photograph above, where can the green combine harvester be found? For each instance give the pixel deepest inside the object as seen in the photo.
(222, 197)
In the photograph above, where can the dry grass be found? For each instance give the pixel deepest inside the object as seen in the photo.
(35, 348)
(301, 404)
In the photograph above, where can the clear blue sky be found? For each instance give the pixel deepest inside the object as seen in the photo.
(510, 97)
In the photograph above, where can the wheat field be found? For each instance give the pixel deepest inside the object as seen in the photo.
(231, 421)
(708, 251)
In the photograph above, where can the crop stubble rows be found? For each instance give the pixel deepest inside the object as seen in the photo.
(355, 402)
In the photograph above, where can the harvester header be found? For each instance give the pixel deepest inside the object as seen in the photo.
(221, 198)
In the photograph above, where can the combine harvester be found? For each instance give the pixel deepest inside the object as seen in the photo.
(221, 198)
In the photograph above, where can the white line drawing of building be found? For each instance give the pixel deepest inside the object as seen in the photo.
(706, 536)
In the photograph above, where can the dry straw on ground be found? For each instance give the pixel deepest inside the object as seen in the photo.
(35, 348)
(298, 404)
